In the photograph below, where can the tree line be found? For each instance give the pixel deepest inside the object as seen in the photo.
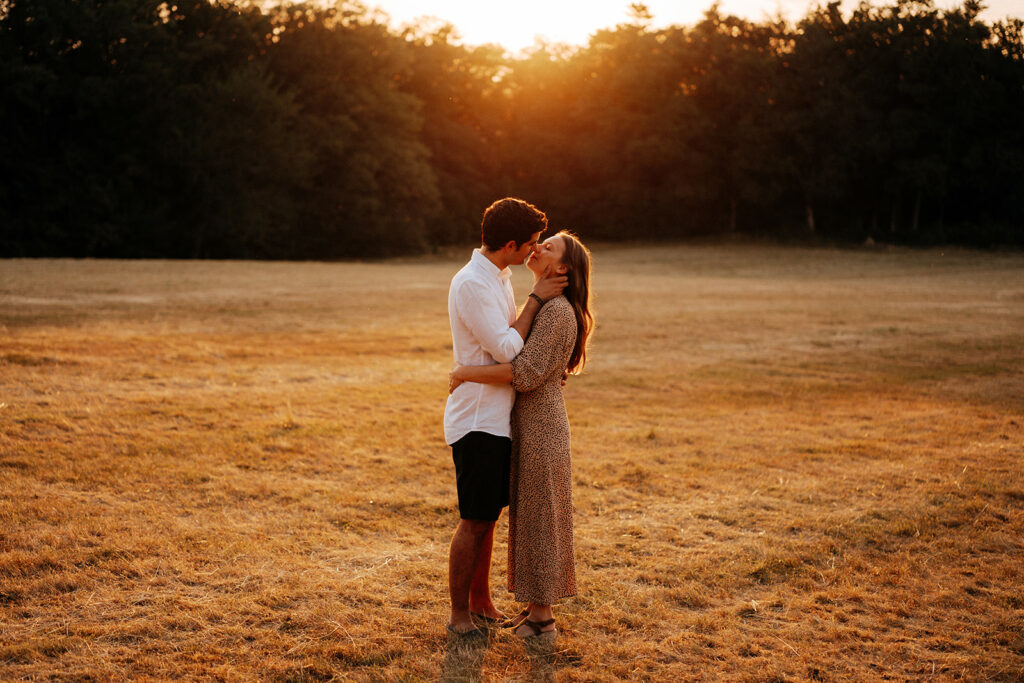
(214, 129)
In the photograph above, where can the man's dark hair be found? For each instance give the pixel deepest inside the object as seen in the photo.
(511, 220)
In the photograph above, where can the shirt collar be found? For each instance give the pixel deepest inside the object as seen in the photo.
(488, 266)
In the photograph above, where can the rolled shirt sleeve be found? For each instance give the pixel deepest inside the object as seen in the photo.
(488, 323)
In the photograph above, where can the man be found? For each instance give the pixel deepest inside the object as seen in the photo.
(485, 330)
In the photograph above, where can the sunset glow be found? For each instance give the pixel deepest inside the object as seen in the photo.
(519, 25)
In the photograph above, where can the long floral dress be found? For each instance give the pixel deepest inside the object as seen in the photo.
(541, 567)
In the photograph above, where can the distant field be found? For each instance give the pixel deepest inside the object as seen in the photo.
(789, 464)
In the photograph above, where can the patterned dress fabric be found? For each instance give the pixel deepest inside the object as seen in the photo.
(541, 567)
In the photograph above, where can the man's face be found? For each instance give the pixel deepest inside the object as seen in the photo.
(525, 249)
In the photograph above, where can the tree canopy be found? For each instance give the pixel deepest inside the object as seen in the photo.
(213, 129)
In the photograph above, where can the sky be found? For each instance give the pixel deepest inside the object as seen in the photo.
(514, 25)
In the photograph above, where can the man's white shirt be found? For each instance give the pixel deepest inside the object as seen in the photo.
(481, 311)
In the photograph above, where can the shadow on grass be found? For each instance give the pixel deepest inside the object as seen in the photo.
(464, 660)
(543, 661)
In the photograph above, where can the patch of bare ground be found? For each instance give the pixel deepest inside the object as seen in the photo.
(789, 465)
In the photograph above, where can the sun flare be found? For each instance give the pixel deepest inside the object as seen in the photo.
(514, 26)
(519, 25)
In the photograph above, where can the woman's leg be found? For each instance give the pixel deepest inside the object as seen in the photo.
(538, 614)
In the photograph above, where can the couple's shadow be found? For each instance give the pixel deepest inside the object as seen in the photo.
(464, 661)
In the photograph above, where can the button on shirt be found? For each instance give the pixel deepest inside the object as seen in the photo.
(481, 310)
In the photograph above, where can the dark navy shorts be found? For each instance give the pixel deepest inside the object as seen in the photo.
(482, 464)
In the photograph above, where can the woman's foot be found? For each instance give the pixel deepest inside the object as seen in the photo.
(534, 629)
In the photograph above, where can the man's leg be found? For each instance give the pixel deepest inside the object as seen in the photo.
(480, 591)
(463, 559)
(481, 474)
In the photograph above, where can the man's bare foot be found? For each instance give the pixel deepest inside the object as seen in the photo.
(487, 610)
(462, 625)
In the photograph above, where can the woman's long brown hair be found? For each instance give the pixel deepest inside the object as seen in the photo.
(577, 258)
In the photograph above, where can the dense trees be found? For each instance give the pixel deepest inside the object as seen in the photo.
(219, 130)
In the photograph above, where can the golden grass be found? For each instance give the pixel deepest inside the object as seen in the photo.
(789, 464)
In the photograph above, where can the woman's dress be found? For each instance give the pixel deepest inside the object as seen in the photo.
(541, 568)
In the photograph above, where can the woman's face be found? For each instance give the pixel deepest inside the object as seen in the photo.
(548, 253)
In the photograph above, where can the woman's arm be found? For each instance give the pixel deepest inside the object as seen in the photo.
(482, 374)
(547, 349)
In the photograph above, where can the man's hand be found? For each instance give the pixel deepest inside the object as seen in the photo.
(453, 381)
(549, 286)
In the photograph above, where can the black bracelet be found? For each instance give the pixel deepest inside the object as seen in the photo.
(539, 300)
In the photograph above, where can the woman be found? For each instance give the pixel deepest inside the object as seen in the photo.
(541, 569)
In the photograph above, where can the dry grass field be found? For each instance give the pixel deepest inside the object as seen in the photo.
(789, 465)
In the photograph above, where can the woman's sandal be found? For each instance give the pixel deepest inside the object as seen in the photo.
(514, 622)
(539, 637)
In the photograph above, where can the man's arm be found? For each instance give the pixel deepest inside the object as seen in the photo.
(487, 321)
(547, 287)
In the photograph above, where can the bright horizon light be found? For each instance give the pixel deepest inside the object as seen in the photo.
(519, 25)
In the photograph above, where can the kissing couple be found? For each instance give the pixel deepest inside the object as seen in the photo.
(506, 423)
